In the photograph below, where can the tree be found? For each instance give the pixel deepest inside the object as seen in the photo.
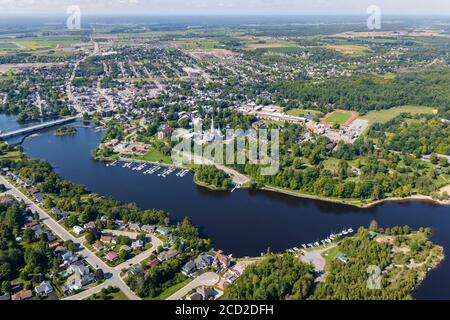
(99, 275)
(70, 245)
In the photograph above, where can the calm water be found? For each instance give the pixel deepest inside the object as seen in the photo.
(8, 123)
(245, 222)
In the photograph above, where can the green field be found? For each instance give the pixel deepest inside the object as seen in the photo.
(384, 116)
(171, 290)
(339, 117)
(154, 155)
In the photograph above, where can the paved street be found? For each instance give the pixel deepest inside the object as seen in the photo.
(206, 279)
(114, 278)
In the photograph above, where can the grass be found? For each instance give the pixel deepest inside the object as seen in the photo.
(339, 117)
(331, 164)
(384, 116)
(329, 255)
(350, 49)
(303, 112)
(13, 156)
(154, 155)
(171, 290)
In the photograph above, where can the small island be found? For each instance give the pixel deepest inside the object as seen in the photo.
(65, 131)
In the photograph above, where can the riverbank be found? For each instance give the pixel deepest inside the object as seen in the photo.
(208, 186)
(363, 204)
(359, 203)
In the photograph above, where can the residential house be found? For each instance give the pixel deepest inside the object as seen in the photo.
(90, 225)
(205, 292)
(5, 297)
(98, 246)
(134, 226)
(111, 256)
(189, 268)
(80, 270)
(195, 297)
(152, 262)
(203, 261)
(138, 244)
(22, 295)
(148, 228)
(167, 255)
(107, 239)
(162, 230)
(221, 261)
(87, 279)
(125, 248)
(78, 230)
(342, 257)
(44, 288)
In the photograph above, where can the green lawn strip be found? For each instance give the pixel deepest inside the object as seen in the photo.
(171, 290)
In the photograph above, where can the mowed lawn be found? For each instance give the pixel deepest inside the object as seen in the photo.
(154, 155)
(384, 116)
(339, 117)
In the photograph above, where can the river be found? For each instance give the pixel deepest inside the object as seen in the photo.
(245, 222)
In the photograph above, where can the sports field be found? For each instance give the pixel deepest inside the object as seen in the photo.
(340, 117)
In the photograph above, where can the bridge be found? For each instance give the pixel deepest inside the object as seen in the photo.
(37, 128)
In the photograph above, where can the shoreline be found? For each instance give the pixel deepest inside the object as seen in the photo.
(350, 202)
(357, 203)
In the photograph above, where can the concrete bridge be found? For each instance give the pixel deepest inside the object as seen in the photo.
(37, 128)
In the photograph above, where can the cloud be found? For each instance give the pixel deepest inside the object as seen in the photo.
(171, 7)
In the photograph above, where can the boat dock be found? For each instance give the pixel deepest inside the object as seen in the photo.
(150, 168)
(323, 242)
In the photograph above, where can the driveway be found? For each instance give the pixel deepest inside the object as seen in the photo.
(206, 279)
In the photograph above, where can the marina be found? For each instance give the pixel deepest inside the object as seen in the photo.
(328, 240)
(150, 169)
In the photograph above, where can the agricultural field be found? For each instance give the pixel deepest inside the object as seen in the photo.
(350, 49)
(384, 116)
(196, 44)
(258, 43)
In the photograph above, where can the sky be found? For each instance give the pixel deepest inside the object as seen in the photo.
(224, 7)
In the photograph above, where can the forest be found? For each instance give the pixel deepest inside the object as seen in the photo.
(213, 177)
(364, 93)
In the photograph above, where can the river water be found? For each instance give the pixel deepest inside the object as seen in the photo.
(245, 222)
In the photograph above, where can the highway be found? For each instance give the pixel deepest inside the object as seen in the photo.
(112, 274)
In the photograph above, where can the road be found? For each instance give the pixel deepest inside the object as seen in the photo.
(69, 92)
(206, 279)
(113, 275)
(315, 258)
(140, 257)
